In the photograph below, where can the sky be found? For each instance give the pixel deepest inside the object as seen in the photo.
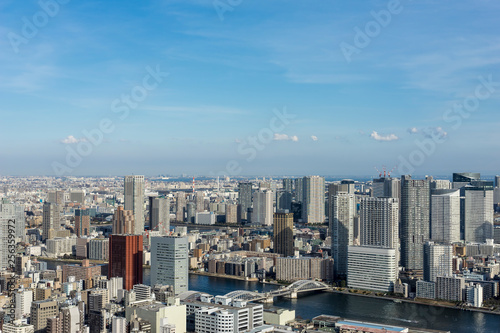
(240, 87)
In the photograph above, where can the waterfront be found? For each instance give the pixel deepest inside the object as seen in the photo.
(361, 308)
(355, 307)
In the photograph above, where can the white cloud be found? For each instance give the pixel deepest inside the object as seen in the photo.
(71, 139)
(314, 137)
(389, 137)
(413, 130)
(285, 137)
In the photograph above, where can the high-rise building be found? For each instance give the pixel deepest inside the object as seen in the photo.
(16, 211)
(77, 196)
(159, 214)
(445, 216)
(346, 186)
(299, 190)
(134, 200)
(386, 187)
(82, 222)
(263, 207)
(51, 218)
(497, 181)
(415, 221)
(438, 261)
(56, 197)
(284, 201)
(283, 234)
(125, 259)
(313, 207)
(200, 201)
(462, 179)
(342, 226)
(231, 213)
(478, 211)
(379, 219)
(244, 199)
(169, 262)
(123, 222)
(372, 268)
(23, 299)
(180, 206)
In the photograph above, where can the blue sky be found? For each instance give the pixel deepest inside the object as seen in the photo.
(229, 66)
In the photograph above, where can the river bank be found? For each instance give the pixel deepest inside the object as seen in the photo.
(426, 303)
(224, 276)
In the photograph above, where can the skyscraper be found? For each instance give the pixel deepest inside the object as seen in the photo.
(263, 207)
(244, 199)
(313, 207)
(123, 222)
(134, 200)
(200, 202)
(345, 186)
(51, 218)
(125, 259)
(387, 187)
(180, 206)
(415, 221)
(169, 262)
(438, 261)
(159, 214)
(10, 209)
(342, 226)
(445, 216)
(283, 234)
(82, 222)
(299, 190)
(478, 211)
(380, 223)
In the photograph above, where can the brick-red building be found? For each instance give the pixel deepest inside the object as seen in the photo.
(125, 259)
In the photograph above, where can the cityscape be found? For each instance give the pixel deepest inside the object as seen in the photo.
(237, 166)
(172, 254)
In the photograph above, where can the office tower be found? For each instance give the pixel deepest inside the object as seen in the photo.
(445, 216)
(41, 311)
(125, 259)
(231, 213)
(169, 258)
(51, 219)
(386, 187)
(342, 226)
(180, 205)
(478, 211)
(284, 201)
(441, 184)
(263, 207)
(244, 199)
(438, 261)
(200, 201)
(465, 178)
(159, 214)
(379, 219)
(134, 200)
(415, 221)
(82, 222)
(56, 197)
(190, 212)
(313, 207)
(123, 222)
(299, 190)
(372, 268)
(497, 181)
(283, 234)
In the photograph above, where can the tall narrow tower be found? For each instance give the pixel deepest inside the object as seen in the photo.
(134, 200)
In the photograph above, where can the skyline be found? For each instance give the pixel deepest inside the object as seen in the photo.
(232, 71)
